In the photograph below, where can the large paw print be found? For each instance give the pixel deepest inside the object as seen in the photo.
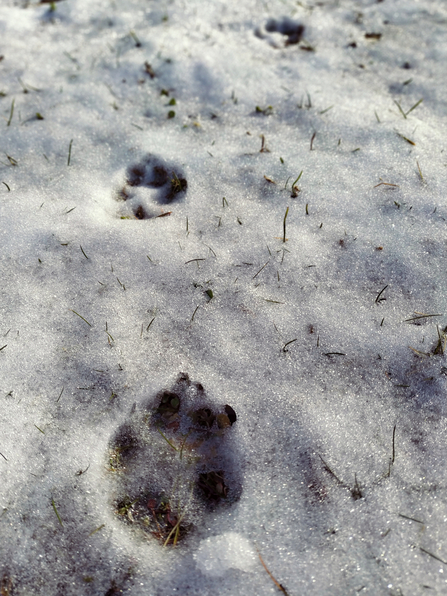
(174, 462)
(149, 185)
(281, 32)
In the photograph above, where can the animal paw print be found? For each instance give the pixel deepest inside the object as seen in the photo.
(174, 462)
(281, 32)
(149, 185)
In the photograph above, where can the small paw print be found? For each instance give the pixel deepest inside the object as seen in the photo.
(149, 185)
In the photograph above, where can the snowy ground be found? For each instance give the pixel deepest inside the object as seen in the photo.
(149, 156)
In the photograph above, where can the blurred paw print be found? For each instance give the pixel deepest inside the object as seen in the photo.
(280, 33)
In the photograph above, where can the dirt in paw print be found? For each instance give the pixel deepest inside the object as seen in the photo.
(150, 186)
(174, 462)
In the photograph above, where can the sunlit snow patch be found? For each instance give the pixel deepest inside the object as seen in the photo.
(217, 554)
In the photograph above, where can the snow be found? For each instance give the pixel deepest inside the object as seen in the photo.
(138, 245)
(218, 554)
